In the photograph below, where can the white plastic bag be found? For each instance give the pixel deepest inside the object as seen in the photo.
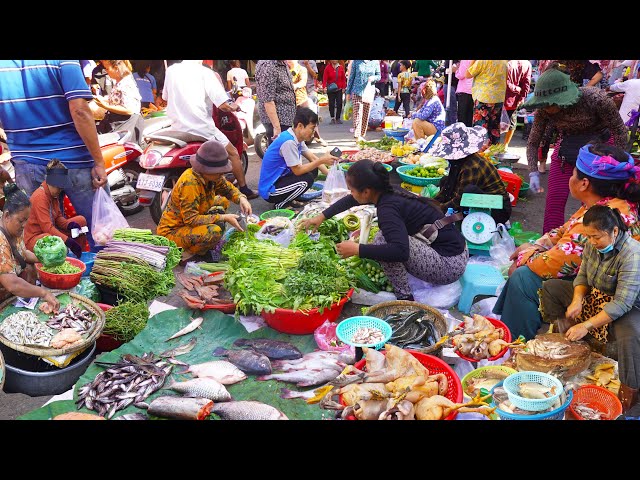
(505, 121)
(484, 307)
(368, 93)
(106, 217)
(283, 237)
(335, 186)
(364, 297)
(502, 246)
(438, 296)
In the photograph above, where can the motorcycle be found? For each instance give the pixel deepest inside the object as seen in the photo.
(168, 154)
(248, 117)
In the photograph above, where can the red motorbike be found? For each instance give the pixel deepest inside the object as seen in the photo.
(167, 157)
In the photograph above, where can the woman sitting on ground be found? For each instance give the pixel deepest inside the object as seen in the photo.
(431, 115)
(604, 299)
(404, 244)
(603, 175)
(46, 218)
(17, 272)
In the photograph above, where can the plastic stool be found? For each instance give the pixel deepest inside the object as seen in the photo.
(478, 279)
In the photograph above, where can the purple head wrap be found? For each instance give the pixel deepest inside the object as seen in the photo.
(606, 167)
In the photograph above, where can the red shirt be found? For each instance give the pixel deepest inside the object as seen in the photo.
(329, 76)
(518, 83)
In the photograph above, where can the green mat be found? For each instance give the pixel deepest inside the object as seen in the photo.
(217, 330)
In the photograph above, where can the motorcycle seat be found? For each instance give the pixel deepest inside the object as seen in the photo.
(166, 136)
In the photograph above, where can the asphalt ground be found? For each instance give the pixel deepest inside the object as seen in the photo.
(529, 212)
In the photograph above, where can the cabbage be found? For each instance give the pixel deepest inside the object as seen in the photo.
(50, 251)
(429, 161)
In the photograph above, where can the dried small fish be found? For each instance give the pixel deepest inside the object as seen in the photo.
(24, 328)
(195, 323)
(367, 336)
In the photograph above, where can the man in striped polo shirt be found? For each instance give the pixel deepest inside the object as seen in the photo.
(45, 115)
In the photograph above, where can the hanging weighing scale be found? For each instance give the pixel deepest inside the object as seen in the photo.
(478, 226)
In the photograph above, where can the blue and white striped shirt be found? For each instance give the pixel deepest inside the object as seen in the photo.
(34, 110)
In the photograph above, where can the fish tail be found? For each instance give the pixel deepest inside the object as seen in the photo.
(240, 342)
(286, 393)
(220, 352)
(264, 377)
(187, 369)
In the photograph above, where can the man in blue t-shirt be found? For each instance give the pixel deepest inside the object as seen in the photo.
(283, 176)
(45, 115)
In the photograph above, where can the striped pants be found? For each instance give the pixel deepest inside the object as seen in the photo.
(290, 187)
(360, 116)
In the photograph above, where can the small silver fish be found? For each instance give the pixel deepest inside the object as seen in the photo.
(247, 410)
(195, 323)
(203, 388)
(181, 350)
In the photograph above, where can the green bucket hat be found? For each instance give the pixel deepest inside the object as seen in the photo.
(553, 88)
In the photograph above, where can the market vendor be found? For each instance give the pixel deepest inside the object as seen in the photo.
(283, 176)
(195, 215)
(437, 255)
(604, 299)
(430, 117)
(46, 217)
(604, 175)
(468, 171)
(17, 272)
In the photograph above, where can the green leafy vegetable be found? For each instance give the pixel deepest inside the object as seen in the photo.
(65, 269)
(50, 251)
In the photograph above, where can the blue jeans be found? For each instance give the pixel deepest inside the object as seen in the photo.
(30, 176)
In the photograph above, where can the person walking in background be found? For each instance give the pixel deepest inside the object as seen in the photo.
(395, 71)
(423, 67)
(364, 74)
(518, 83)
(101, 83)
(488, 91)
(404, 88)
(237, 76)
(463, 94)
(452, 109)
(312, 95)
(146, 82)
(46, 116)
(334, 81)
(276, 96)
(383, 84)
(631, 99)
(580, 116)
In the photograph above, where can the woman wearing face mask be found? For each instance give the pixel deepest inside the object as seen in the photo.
(46, 218)
(604, 299)
(17, 273)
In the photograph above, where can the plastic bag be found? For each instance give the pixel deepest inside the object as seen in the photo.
(376, 114)
(438, 296)
(51, 251)
(505, 121)
(368, 93)
(106, 217)
(363, 297)
(484, 307)
(283, 237)
(407, 123)
(520, 236)
(326, 339)
(502, 246)
(347, 113)
(335, 186)
(88, 289)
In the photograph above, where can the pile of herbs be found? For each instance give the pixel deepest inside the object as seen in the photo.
(263, 275)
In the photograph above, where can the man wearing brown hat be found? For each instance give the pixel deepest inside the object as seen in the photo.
(195, 215)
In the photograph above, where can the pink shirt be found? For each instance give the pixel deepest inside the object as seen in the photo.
(464, 84)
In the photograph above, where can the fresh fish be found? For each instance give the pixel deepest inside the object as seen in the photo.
(286, 393)
(249, 361)
(348, 357)
(274, 349)
(202, 387)
(303, 378)
(181, 408)
(132, 416)
(181, 350)
(247, 410)
(535, 390)
(221, 370)
(314, 364)
(189, 328)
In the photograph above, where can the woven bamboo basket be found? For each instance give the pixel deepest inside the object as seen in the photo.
(91, 335)
(383, 309)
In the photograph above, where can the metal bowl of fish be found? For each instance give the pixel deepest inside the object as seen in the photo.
(533, 391)
(364, 331)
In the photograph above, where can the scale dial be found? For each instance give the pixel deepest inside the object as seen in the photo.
(478, 227)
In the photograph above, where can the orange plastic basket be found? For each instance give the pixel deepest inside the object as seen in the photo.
(598, 398)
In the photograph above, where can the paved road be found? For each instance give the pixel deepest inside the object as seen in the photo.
(529, 213)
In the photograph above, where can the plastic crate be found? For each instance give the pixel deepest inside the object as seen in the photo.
(512, 382)
(514, 182)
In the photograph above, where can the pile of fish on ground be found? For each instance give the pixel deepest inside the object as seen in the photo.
(217, 332)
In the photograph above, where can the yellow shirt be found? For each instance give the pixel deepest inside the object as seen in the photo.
(489, 80)
(191, 199)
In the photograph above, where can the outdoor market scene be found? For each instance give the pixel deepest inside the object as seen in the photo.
(319, 240)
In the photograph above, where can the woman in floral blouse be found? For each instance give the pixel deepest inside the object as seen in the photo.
(124, 99)
(607, 178)
(195, 215)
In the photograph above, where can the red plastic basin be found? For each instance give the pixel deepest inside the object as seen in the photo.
(303, 322)
(106, 343)
(62, 282)
(507, 338)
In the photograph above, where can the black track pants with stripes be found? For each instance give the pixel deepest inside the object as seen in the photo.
(290, 187)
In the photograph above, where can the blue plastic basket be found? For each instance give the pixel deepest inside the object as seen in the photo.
(511, 385)
(556, 414)
(318, 186)
(348, 327)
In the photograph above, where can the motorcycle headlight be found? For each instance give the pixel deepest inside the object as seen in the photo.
(150, 159)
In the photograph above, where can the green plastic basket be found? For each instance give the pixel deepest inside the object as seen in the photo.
(280, 212)
(524, 190)
(346, 166)
(416, 180)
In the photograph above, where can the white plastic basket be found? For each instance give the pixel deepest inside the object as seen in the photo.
(512, 387)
